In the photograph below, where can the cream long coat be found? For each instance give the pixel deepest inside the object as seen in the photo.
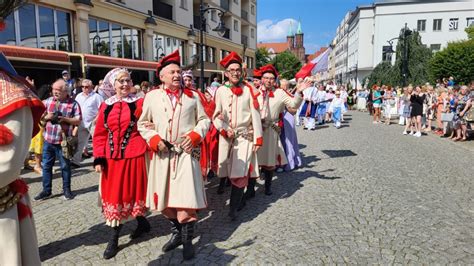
(18, 242)
(236, 158)
(272, 153)
(173, 181)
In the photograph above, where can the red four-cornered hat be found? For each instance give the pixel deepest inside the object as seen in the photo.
(269, 69)
(257, 73)
(172, 58)
(233, 57)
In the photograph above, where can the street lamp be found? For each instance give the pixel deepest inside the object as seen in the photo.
(97, 44)
(63, 42)
(221, 29)
(404, 37)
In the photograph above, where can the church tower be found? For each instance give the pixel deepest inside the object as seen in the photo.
(299, 44)
(290, 38)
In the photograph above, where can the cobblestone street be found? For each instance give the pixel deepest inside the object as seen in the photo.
(366, 194)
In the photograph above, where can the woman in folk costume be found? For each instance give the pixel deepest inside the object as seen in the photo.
(288, 136)
(209, 146)
(120, 157)
(20, 113)
(175, 184)
(308, 111)
(237, 118)
(272, 103)
(337, 108)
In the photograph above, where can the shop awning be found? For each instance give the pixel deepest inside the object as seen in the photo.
(35, 55)
(112, 62)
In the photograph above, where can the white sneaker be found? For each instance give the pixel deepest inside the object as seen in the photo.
(411, 133)
(417, 134)
(405, 132)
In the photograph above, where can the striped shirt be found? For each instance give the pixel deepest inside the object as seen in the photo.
(67, 108)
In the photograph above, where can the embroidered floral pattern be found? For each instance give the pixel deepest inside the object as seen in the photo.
(123, 211)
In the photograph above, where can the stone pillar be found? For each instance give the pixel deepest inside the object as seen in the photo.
(82, 27)
(148, 48)
(189, 50)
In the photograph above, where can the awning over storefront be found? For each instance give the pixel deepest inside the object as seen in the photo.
(112, 62)
(35, 55)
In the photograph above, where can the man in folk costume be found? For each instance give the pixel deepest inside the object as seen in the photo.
(237, 118)
(175, 184)
(308, 111)
(257, 77)
(20, 113)
(272, 103)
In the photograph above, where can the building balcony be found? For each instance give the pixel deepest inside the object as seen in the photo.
(245, 15)
(162, 10)
(225, 4)
(244, 39)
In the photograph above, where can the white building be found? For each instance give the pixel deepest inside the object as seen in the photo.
(371, 27)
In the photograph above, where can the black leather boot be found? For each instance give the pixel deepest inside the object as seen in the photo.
(175, 240)
(112, 247)
(268, 182)
(187, 234)
(235, 200)
(250, 192)
(220, 189)
(143, 226)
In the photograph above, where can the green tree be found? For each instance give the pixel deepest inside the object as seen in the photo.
(470, 32)
(418, 56)
(262, 57)
(456, 60)
(383, 73)
(287, 64)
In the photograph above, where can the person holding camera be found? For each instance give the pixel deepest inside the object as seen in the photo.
(59, 120)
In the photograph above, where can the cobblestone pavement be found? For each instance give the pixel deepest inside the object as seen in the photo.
(366, 194)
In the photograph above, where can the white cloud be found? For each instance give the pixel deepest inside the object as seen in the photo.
(268, 31)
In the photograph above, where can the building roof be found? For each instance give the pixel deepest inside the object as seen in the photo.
(299, 31)
(317, 53)
(277, 47)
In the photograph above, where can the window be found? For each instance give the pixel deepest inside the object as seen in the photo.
(117, 47)
(183, 4)
(470, 22)
(213, 16)
(387, 53)
(212, 52)
(453, 24)
(224, 53)
(64, 31)
(437, 24)
(46, 22)
(421, 26)
(435, 47)
(252, 9)
(28, 26)
(236, 25)
(252, 33)
(8, 36)
(164, 45)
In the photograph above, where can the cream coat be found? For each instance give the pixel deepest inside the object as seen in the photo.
(272, 153)
(174, 181)
(18, 242)
(236, 158)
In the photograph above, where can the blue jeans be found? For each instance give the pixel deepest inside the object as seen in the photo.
(50, 153)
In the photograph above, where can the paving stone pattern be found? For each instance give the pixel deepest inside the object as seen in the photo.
(365, 195)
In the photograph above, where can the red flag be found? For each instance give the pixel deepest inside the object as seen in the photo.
(305, 71)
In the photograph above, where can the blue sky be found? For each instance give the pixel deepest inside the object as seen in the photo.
(319, 19)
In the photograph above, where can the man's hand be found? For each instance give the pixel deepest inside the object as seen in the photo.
(303, 85)
(187, 144)
(30, 80)
(255, 148)
(162, 146)
(230, 133)
(48, 116)
(149, 125)
(98, 168)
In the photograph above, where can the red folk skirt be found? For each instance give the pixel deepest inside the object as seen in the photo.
(123, 189)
